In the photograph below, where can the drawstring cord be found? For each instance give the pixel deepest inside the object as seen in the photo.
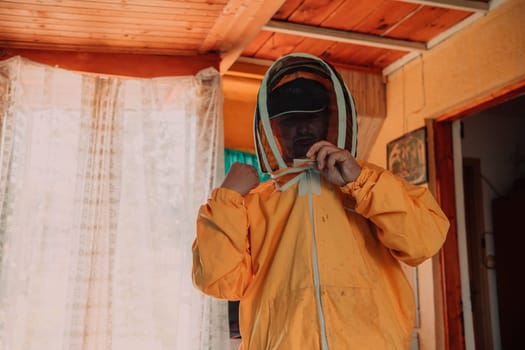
(303, 169)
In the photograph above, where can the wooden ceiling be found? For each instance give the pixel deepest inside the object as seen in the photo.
(372, 35)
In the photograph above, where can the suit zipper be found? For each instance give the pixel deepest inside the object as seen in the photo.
(317, 279)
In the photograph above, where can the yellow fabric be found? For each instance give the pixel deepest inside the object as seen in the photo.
(259, 249)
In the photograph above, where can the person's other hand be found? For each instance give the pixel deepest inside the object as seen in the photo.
(337, 164)
(241, 178)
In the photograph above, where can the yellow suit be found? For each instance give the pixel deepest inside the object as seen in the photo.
(318, 269)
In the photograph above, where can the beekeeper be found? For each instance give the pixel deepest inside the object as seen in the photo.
(314, 254)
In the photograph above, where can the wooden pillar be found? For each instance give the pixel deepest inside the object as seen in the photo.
(449, 254)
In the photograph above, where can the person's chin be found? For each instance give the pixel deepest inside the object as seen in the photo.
(301, 149)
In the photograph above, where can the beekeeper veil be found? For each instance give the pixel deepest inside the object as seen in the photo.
(302, 84)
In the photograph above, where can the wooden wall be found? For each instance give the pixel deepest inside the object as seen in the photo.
(240, 87)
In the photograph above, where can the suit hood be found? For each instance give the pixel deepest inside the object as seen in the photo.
(342, 121)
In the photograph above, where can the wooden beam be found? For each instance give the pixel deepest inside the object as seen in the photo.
(464, 5)
(400, 63)
(142, 66)
(238, 24)
(264, 64)
(486, 101)
(245, 68)
(342, 36)
(454, 29)
(73, 46)
(222, 33)
(434, 41)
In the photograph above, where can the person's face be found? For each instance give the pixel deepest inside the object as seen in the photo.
(297, 132)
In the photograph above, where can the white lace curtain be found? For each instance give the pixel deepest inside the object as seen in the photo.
(100, 181)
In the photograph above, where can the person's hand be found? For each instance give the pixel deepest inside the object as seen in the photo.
(241, 178)
(337, 165)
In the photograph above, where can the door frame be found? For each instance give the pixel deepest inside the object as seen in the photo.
(446, 266)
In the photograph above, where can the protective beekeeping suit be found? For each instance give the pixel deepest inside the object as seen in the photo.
(313, 254)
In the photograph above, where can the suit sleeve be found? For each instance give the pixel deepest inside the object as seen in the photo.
(221, 252)
(408, 219)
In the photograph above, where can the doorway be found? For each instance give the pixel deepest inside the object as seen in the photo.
(491, 157)
(479, 262)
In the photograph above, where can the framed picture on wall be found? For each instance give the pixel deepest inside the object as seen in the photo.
(407, 156)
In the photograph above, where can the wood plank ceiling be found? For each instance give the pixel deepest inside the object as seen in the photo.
(372, 35)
